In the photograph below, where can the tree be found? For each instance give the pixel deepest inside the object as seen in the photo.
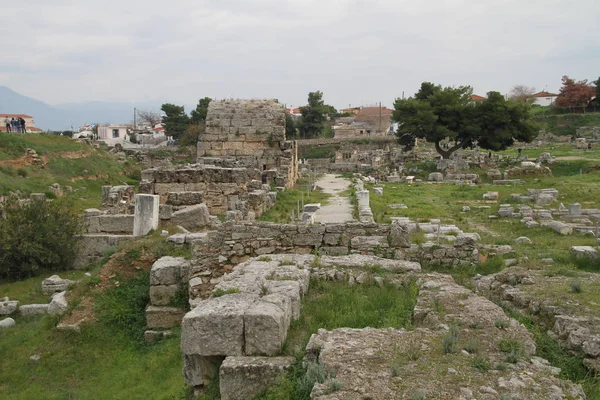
(199, 114)
(314, 115)
(522, 94)
(151, 118)
(436, 114)
(192, 134)
(596, 101)
(574, 94)
(175, 120)
(290, 126)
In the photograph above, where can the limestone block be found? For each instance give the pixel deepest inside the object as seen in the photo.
(575, 209)
(58, 305)
(55, 284)
(165, 211)
(184, 198)
(162, 295)
(560, 227)
(523, 240)
(33, 309)
(369, 242)
(216, 326)
(168, 271)
(146, 214)
(584, 251)
(244, 378)
(193, 217)
(8, 307)
(199, 370)
(163, 317)
(378, 191)
(311, 208)
(398, 236)
(119, 223)
(490, 196)
(266, 324)
(435, 177)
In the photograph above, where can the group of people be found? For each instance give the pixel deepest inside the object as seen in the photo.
(15, 125)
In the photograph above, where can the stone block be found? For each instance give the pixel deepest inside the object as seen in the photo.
(560, 227)
(399, 236)
(119, 223)
(311, 208)
(192, 218)
(58, 305)
(163, 295)
(216, 326)
(199, 370)
(168, 271)
(435, 177)
(265, 325)
(7, 323)
(8, 307)
(575, 209)
(146, 214)
(584, 251)
(55, 284)
(33, 309)
(165, 211)
(163, 317)
(184, 198)
(244, 378)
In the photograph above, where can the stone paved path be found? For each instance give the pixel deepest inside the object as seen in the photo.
(339, 209)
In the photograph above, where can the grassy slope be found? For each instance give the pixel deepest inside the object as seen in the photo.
(86, 175)
(566, 124)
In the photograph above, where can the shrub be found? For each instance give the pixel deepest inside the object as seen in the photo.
(502, 323)
(472, 346)
(38, 235)
(221, 292)
(22, 172)
(450, 340)
(575, 286)
(481, 364)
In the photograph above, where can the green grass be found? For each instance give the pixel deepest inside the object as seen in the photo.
(29, 291)
(566, 124)
(287, 201)
(108, 359)
(319, 152)
(331, 305)
(13, 146)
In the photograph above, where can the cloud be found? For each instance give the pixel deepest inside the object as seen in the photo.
(355, 51)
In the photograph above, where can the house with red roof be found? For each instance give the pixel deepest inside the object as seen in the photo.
(544, 99)
(475, 97)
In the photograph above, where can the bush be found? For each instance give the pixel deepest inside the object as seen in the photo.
(37, 235)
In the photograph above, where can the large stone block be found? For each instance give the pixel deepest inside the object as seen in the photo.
(192, 218)
(33, 309)
(163, 295)
(146, 214)
(58, 305)
(266, 324)
(119, 223)
(184, 198)
(169, 271)
(163, 317)
(216, 326)
(199, 370)
(8, 307)
(55, 284)
(243, 378)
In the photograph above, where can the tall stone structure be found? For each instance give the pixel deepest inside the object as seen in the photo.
(250, 134)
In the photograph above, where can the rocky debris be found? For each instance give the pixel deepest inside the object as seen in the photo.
(559, 227)
(397, 206)
(151, 336)
(7, 307)
(506, 210)
(580, 251)
(35, 358)
(493, 174)
(184, 198)
(435, 177)
(72, 327)
(378, 191)
(33, 309)
(311, 208)
(193, 218)
(7, 323)
(246, 377)
(490, 196)
(58, 305)
(523, 240)
(389, 363)
(55, 284)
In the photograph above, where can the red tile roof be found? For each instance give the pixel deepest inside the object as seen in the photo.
(475, 97)
(15, 116)
(545, 94)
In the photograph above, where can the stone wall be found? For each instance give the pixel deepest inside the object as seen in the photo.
(251, 134)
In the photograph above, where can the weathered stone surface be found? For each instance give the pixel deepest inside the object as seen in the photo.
(55, 284)
(8, 307)
(169, 271)
(145, 214)
(435, 177)
(58, 305)
(584, 251)
(163, 317)
(216, 326)
(560, 227)
(490, 196)
(7, 323)
(242, 378)
(185, 198)
(163, 295)
(523, 240)
(33, 309)
(399, 236)
(192, 218)
(360, 261)
(265, 325)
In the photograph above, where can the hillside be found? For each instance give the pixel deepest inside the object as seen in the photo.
(566, 124)
(64, 161)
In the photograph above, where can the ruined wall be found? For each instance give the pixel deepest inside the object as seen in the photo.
(251, 134)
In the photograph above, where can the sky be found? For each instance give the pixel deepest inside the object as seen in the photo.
(357, 52)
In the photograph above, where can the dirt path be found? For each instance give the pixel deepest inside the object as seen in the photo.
(339, 209)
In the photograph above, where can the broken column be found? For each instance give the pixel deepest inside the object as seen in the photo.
(146, 214)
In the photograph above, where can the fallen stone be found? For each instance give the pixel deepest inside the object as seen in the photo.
(378, 191)
(33, 309)
(58, 305)
(8, 307)
(523, 240)
(7, 323)
(192, 218)
(584, 251)
(163, 317)
(246, 377)
(55, 284)
(491, 196)
(560, 227)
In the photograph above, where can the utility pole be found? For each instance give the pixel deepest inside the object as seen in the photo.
(134, 119)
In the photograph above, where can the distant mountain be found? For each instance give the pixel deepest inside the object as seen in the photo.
(44, 115)
(63, 116)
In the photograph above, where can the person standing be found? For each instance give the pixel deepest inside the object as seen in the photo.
(8, 126)
(15, 125)
(23, 127)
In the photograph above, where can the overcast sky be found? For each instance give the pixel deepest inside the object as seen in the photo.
(357, 52)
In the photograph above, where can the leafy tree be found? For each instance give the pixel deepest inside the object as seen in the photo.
(575, 93)
(522, 93)
(175, 120)
(314, 115)
(596, 101)
(37, 235)
(290, 127)
(436, 114)
(192, 134)
(199, 114)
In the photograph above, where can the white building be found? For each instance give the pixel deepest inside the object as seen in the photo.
(112, 134)
(544, 99)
